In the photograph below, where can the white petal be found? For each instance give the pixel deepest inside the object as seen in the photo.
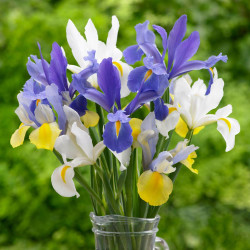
(199, 88)
(224, 112)
(228, 133)
(206, 120)
(67, 147)
(44, 114)
(83, 140)
(74, 69)
(24, 117)
(91, 35)
(112, 39)
(77, 44)
(124, 70)
(98, 149)
(62, 181)
(123, 158)
(72, 116)
(168, 124)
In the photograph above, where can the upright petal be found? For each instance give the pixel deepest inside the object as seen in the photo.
(164, 37)
(175, 37)
(77, 44)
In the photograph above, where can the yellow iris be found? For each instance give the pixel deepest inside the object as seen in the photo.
(154, 187)
(18, 136)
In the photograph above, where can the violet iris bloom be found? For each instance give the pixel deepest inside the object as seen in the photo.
(49, 82)
(179, 53)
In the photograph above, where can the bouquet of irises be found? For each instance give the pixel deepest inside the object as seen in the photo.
(117, 120)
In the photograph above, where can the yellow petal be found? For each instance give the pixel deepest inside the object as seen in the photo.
(45, 136)
(154, 187)
(190, 161)
(135, 124)
(18, 136)
(181, 128)
(90, 119)
(198, 129)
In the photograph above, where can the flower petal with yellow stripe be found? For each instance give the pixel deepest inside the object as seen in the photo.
(154, 187)
(45, 136)
(17, 137)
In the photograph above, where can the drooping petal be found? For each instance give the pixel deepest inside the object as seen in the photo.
(117, 136)
(17, 137)
(45, 136)
(62, 181)
(189, 162)
(160, 109)
(133, 54)
(175, 37)
(154, 187)
(136, 76)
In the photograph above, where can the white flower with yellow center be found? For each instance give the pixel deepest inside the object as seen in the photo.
(80, 48)
(77, 146)
(44, 136)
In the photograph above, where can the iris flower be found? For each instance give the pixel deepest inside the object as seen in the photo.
(154, 186)
(77, 146)
(193, 105)
(80, 48)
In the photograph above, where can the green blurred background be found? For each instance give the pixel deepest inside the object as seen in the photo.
(208, 211)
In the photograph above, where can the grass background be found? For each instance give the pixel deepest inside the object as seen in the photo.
(208, 211)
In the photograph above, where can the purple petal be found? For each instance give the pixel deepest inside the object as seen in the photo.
(109, 82)
(197, 65)
(122, 141)
(58, 68)
(186, 50)
(161, 110)
(35, 69)
(133, 54)
(157, 68)
(45, 65)
(164, 37)
(79, 105)
(33, 90)
(175, 37)
(118, 116)
(55, 100)
(135, 78)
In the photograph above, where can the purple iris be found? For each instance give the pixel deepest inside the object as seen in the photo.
(179, 53)
(108, 81)
(49, 82)
(117, 135)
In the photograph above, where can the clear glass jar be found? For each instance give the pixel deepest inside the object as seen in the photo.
(116, 232)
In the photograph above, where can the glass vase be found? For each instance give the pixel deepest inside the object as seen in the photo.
(116, 232)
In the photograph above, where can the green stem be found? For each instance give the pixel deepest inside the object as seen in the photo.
(93, 194)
